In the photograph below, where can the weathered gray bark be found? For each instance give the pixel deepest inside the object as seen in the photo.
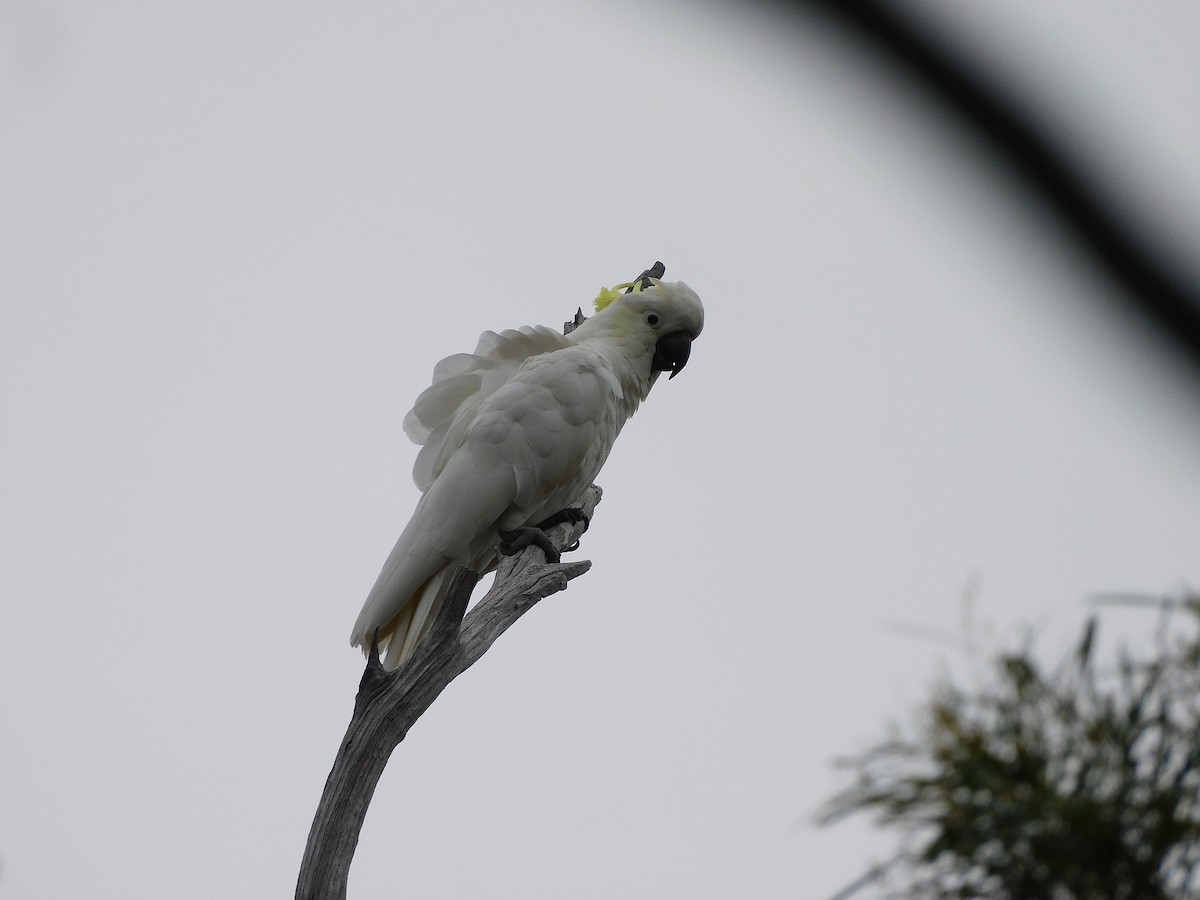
(388, 703)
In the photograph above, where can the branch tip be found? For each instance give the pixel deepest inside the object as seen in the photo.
(658, 270)
(373, 655)
(579, 319)
(373, 675)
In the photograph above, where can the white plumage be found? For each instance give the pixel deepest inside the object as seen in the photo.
(512, 434)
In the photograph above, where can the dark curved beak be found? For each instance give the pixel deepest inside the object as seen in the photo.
(671, 353)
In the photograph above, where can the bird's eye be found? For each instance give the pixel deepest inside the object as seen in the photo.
(652, 319)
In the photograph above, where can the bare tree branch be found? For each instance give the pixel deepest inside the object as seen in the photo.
(388, 703)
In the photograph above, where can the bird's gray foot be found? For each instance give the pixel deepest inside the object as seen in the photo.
(571, 514)
(513, 542)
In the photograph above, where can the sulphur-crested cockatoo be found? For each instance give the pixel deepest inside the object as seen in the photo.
(514, 433)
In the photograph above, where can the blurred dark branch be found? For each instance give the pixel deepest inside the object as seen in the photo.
(1163, 295)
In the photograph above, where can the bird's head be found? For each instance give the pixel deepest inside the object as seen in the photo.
(661, 321)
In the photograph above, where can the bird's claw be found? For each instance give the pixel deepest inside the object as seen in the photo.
(572, 515)
(513, 542)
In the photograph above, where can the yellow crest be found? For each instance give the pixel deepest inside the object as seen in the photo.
(608, 295)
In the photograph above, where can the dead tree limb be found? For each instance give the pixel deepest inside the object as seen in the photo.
(388, 703)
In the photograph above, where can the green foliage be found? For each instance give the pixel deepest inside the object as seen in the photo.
(1081, 781)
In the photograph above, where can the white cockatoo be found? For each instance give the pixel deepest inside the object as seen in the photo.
(513, 434)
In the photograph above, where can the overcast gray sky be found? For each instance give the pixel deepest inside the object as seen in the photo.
(235, 238)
